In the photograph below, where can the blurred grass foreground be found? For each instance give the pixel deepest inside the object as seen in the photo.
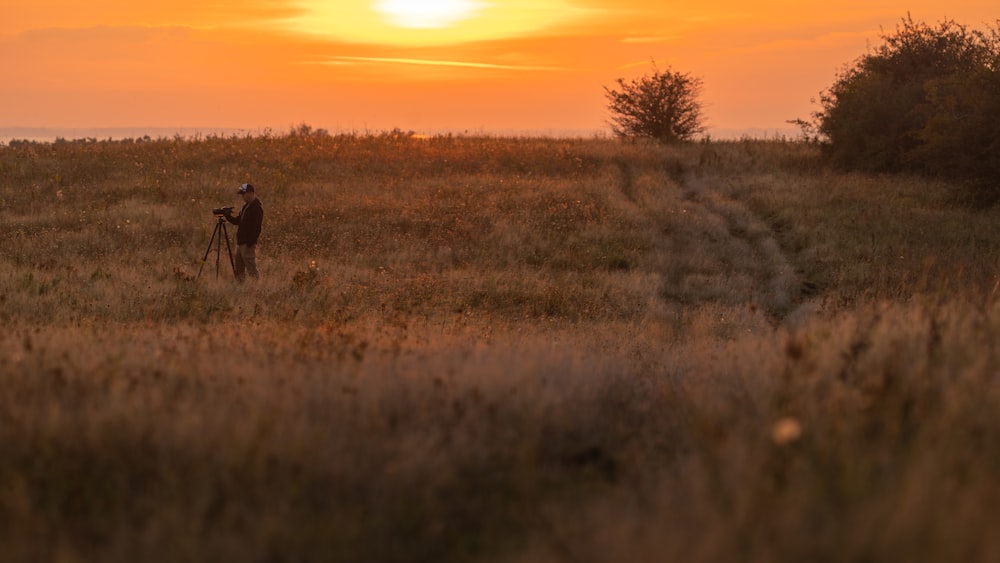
(493, 349)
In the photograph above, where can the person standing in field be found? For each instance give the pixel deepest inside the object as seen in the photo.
(248, 223)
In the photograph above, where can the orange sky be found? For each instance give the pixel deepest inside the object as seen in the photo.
(460, 65)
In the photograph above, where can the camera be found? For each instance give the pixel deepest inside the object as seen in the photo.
(222, 210)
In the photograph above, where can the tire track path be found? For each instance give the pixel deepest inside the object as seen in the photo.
(777, 286)
(709, 248)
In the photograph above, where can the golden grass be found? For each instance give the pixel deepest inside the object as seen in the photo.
(494, 349)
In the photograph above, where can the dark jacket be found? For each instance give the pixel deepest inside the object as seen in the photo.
(249, 220)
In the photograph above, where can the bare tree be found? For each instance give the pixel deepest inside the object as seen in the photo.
(663, 106)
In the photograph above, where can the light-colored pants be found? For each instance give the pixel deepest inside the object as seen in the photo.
(246, 261)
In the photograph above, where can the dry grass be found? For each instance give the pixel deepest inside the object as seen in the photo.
(495, 349)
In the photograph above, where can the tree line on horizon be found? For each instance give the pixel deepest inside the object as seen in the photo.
(924, 101)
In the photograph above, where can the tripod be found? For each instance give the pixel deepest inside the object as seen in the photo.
(218, 234)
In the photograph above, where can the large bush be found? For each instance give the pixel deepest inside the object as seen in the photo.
(926, 100)
(663, 105)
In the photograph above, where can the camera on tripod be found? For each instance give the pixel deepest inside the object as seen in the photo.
(218, 234)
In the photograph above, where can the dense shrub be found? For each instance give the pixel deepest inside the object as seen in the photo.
(927, 100)
(662, 106)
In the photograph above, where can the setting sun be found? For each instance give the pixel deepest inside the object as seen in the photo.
(426, 14)
(430, 22)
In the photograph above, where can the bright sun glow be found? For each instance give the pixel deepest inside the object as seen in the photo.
(430, 22)
(426, 14)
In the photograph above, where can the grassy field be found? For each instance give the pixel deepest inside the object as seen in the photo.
(487, 349)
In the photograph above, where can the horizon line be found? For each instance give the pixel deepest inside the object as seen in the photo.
(45, 133)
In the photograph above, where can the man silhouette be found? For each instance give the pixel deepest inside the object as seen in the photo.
(248, 223)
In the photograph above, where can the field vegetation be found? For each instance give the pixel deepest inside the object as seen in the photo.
(493, 349)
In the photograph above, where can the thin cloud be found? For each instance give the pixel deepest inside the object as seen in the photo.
(648, 40)
(637, 64)
(435, 62)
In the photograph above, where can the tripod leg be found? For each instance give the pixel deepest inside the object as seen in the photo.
(218, 252)
(207, 250)
(229, 249)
